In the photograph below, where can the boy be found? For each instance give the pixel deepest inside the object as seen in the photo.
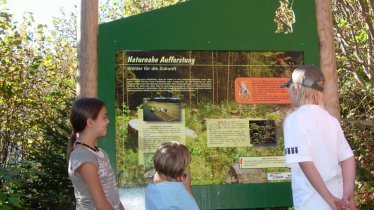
(321, 161)
(172, 182)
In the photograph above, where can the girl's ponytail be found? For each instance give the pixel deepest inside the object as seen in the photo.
(72, 139)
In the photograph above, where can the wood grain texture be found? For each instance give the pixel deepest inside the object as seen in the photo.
(327, 56)
(87, 48)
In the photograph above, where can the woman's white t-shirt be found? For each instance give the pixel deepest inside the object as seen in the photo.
(312, 134)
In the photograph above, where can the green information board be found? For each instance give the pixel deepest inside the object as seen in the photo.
(206, 73)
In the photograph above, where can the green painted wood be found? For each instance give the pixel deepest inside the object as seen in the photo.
(236, 25)
(241, 196)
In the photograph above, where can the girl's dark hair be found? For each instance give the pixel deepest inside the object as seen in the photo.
(81, 111)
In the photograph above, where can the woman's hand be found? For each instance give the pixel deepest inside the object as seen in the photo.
(349, 202)
(334, 203)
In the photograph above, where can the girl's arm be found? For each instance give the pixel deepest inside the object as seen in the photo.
(90, 176)
(316, 180)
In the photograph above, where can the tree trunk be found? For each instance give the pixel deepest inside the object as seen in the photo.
(327, 56)
(87, 48)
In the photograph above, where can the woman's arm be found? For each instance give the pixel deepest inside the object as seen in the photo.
(90, 176)
(349, 174)
(316, 180)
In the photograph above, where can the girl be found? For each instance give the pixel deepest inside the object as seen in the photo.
(89, 167)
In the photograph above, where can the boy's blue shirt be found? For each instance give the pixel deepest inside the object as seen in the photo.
(169, 195)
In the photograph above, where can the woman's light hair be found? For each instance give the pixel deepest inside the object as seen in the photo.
(305, 95)
(171, 159)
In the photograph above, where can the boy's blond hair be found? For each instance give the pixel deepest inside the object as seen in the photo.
(306, 86)
(305, 95)
(171, 159)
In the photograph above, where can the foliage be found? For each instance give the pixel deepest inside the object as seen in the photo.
(355, 107)
(45, 172)
(114, 9)
(9, 196)
(41, 180)
(354, 34)
(37, 72)
(22, 69)
(36, 82)
(133, 7)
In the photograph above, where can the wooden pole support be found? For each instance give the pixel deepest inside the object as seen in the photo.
(327, 56)
(87, 48)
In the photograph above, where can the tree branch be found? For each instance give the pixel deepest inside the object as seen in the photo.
(359, 123)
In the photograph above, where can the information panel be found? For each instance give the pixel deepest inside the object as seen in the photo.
(226, 106)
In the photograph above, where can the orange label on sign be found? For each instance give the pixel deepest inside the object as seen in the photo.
(250, 90)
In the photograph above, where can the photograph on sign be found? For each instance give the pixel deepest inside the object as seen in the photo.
(161, 109)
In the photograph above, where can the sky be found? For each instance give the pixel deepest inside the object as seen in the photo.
(43, 10)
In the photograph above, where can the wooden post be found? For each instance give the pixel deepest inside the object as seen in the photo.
(327, 56)
(87, 48)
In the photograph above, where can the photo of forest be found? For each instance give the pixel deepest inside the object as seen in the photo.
(161, 109)
(202, 82)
